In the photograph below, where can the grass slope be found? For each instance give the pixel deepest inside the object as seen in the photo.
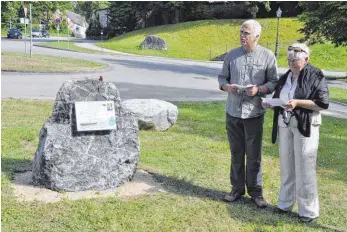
(192, 161)
(338, 94)
(11, 61)
(203, 40)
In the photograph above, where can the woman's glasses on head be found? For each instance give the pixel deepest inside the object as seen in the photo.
(296, 49)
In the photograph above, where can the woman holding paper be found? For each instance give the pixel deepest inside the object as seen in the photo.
(305, 92)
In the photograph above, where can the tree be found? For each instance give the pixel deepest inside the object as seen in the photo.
(94, 28)
(9, 13)
(143, 10)
(122, 17)
(252, 7)
(324, 21)
(87, 8)
(133, 15)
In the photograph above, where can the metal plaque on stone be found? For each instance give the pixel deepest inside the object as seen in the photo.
(95, 116)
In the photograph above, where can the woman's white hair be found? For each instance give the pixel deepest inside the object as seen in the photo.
(255, 24)
(299, 55)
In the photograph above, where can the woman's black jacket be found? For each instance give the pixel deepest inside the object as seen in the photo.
(311, 85)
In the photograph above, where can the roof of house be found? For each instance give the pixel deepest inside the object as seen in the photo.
(77, 19)
(101, 9)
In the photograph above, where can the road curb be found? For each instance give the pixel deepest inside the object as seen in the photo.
(109, 68)
(327, 77)
(339, 103)
(65, 49)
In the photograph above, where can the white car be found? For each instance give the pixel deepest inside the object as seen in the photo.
(36, 33)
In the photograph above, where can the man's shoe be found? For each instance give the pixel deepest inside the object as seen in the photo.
(233, 196)
(306, 219)
(260, 201)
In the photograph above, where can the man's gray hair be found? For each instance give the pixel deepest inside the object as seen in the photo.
(299, 55)
(255, 24)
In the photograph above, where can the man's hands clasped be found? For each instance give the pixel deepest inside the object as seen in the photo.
(250, 90)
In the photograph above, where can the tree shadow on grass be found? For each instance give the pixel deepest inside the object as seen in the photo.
(333, 137)
(243, 210)
(11, 165)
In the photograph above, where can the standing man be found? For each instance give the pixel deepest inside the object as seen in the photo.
(249, 72)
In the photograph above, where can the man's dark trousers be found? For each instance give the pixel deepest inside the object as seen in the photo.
(245, 137)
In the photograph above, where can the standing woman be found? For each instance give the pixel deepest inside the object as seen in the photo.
(304, 89)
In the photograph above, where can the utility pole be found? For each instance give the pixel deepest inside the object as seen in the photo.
(58, 33)
(31, 29)
(24, 10)
(25, 33)
(68, 34)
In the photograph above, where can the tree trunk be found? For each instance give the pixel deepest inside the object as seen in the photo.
(165, 17)
(177, 14)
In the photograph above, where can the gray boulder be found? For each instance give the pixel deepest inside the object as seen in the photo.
(154, 42)
(70, 160)
(152, 113)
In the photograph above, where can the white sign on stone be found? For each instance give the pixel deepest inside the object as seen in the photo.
(95, 115)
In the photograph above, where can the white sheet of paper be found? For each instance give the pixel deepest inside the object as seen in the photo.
(242, 87)
(274, 101)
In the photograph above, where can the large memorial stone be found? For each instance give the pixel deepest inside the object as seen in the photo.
(154, 42)
(152, 113)
(71, 160)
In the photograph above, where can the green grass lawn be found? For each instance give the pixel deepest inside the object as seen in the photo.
(55, 33)
(11, 61)
(191, 160)
(4, 31)
(338, 94)
(203, 40)
(70, 46)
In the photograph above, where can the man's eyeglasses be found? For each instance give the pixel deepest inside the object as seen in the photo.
(245, 33)
(292, 61)
(296, 49)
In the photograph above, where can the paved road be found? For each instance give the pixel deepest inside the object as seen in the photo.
(169, 79)
(134, 76)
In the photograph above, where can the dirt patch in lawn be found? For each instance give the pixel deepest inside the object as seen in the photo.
(28, 145)
(24, 190)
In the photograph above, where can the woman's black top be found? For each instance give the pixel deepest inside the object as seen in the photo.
(311, 85)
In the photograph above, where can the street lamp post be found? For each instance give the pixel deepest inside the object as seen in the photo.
(278, 14)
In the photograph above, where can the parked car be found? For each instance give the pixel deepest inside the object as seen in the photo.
(36, 33)
(14, 33)
(45, 33)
